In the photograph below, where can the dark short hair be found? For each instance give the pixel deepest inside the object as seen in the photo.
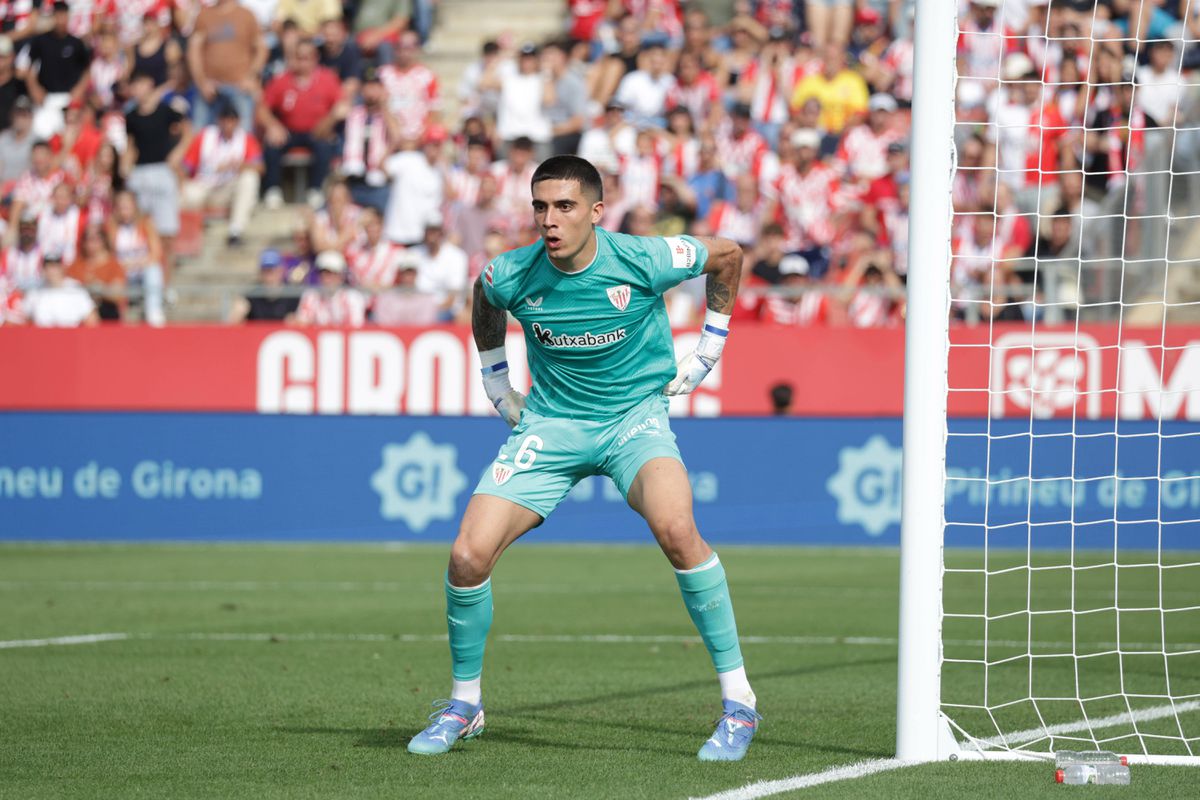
(571, 168)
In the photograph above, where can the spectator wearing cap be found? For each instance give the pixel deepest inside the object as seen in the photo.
(309, 15)
(882, 197)
(299, 109)
(522, 108)
(59, 302)
(225, 54)
(565, 101)
(515, 175)
(841, 91)
(33, 189)
(340, 54)
(368, 131)
(224, 164)
(644, 91)
(611, 140)
(442, 271)
(58, 71)
(16, 141)
(157, 136)
(60, 225)
(21, 263)
(138, 247)
(11, 84)
(269, 302)
(331, 302)
(806, 188)
(862, 154)
(372, 258)
(412, 87)
(98, 270)
(799, 303)
(405, 303)
(417, 190)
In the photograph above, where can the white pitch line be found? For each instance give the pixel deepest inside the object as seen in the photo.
(87, 638)
(1124, 718)
(848, 772)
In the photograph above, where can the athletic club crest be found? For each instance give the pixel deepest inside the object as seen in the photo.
(619, 295)
(501, 473)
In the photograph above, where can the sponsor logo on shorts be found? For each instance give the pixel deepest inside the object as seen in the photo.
(651, 427)
(547, 338)
(619, 296)
(501, 473)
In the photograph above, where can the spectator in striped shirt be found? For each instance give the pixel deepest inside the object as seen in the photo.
(225, 164)
(405, 303)
(33, 190)
(331, 302)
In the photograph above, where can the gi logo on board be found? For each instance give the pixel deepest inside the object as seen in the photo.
(619, 296)
(418, 482)
(867, 485)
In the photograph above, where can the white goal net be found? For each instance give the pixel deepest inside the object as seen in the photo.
(1071, 562)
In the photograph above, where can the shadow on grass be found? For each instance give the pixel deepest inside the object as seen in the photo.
(541, 713)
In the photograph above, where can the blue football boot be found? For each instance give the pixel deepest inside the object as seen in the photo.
(452, 720)
(731, 739)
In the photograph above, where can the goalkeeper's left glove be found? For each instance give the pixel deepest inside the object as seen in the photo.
(695, 366)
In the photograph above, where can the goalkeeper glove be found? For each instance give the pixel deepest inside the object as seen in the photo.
(695, 366)
(507, 400)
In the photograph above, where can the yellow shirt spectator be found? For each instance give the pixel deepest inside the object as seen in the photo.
(308, 14)
(841, 97)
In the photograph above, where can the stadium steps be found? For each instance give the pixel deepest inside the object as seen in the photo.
(464, 25)
(197, 280)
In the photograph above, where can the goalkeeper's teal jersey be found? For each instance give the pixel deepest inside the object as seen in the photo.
(598, 340)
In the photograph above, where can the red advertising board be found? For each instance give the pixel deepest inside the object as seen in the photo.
(1093, 371)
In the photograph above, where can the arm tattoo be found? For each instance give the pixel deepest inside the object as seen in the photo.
(488, 323)
(718, 293)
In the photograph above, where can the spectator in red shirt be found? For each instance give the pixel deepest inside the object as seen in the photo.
(224, 163)
(299, 109)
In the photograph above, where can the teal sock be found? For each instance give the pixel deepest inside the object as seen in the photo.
(468, 616)
(706, 595)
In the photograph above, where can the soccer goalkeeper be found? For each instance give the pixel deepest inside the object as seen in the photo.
(600, 352)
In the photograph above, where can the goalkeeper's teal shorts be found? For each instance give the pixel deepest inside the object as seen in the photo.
(545, 456)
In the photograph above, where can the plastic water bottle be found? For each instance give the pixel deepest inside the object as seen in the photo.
(1095, 757)
(1079, 774)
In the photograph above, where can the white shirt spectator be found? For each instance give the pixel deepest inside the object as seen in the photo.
(1157, 94)
(416, 198)
(263, 11)
(520, 111)
(605, 148)
(66, 306)
(443, 275)
(643, 95)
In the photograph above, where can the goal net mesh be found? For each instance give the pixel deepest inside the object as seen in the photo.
(1071, 572)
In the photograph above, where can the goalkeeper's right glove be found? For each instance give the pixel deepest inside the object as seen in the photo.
(507, 400)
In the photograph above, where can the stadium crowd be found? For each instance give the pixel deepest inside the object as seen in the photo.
(779, 124)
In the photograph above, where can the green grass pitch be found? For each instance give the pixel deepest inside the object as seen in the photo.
(192, 702)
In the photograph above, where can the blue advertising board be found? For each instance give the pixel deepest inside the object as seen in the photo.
(755, 480)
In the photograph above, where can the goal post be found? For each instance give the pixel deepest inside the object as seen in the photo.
(1050, 529)
(920, 734)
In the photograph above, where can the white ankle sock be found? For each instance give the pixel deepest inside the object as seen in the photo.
(470, 691)
(735, 686)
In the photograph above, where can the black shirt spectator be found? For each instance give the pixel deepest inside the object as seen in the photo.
(153, 133)
(62, 60)
(11, 87)
(271, 309)
(340, 53)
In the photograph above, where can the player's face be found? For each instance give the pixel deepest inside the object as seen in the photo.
(565, 217)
